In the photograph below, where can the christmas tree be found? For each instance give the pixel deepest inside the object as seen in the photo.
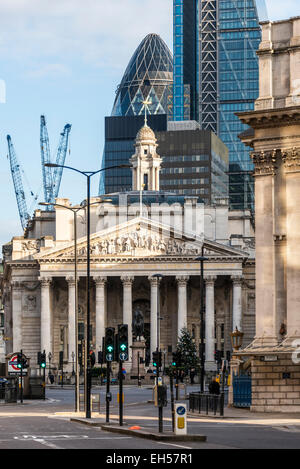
(187, 350)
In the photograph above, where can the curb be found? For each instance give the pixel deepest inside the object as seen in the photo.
(152, 436)
(141, 433)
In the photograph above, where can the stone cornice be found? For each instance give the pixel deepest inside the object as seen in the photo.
(271, 117)
(143, 260)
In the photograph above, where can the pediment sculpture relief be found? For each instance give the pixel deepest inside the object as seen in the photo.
(137, 244)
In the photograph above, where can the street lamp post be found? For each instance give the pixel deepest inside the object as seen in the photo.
(158, 277)
(75, 212)
(160, 408)
(88, 175)
(202, 312)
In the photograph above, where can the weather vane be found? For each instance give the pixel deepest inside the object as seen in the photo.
(146, 104)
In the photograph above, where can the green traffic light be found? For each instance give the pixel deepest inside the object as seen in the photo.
(43, 365)
(110, 348)
(123, 347)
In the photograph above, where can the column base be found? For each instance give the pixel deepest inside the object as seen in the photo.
(210, 366)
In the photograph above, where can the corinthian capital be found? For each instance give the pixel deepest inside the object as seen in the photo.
(265, 162)
(100, 280)
(45, 281)
(127, 279)
(182, 279)
(291, 160)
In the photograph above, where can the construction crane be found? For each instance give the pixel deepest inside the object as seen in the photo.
(18, 183)
(52, 179)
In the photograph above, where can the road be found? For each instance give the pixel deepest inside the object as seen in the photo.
(46, 425)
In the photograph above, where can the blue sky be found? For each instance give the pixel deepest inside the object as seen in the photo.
(64, 59)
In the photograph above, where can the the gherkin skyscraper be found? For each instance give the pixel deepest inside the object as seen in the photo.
(148, 76)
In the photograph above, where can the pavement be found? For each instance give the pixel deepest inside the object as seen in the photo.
(53, 423)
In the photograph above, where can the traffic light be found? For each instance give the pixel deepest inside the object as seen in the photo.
(176, 359)
(42, 361)
(218, 356)
(162, 395)
(123, 342)
(19, 360)
(109, 343)
(156, 358)
(61, 360)
(100, 358)
(92, 358)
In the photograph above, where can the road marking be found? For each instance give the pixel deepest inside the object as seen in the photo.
(46, 443)
(172, 444)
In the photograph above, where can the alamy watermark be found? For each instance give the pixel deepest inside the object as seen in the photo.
(2, 92)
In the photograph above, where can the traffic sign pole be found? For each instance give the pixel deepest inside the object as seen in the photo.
(120, 393)
(107, 390)
(22, 377)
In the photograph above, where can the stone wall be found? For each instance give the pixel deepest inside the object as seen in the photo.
(272, 391)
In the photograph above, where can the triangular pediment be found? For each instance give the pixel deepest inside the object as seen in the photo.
(139, 238)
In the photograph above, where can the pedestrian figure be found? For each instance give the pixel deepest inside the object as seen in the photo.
(214, 387)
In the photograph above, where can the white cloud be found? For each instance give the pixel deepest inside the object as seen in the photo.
(96, 31)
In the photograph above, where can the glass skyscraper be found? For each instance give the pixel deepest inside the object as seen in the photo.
(227, 37)
(185, 70)
(148, 76)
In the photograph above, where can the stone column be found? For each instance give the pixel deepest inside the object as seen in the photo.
(100, 310)
(17, 315)
(210, 363)
(127, 307)
(46, 320)
(71, 318)
(292, 170)
(182, 302)
(237, 303)
(153, 321)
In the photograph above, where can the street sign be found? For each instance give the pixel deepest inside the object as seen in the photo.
(109, 357)
(12, 366)
(123, 356)
(180, 420)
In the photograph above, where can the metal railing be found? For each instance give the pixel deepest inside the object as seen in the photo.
(206, 403)
(8, 393)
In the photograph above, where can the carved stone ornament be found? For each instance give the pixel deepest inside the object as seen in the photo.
(291, 160)
(137, 244)
(31, 245)
(7, 252)
(30, 302)
(265, 162)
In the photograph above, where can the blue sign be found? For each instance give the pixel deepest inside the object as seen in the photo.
(123, 356)
(109, 357)
(181, 410)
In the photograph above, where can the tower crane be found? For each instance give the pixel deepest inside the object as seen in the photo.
(52, 179)
(18, 183)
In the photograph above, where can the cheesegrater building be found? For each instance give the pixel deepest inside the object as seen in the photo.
(216, 75)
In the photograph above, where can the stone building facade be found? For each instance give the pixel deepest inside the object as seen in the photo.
(275, 139)
(134, 235)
